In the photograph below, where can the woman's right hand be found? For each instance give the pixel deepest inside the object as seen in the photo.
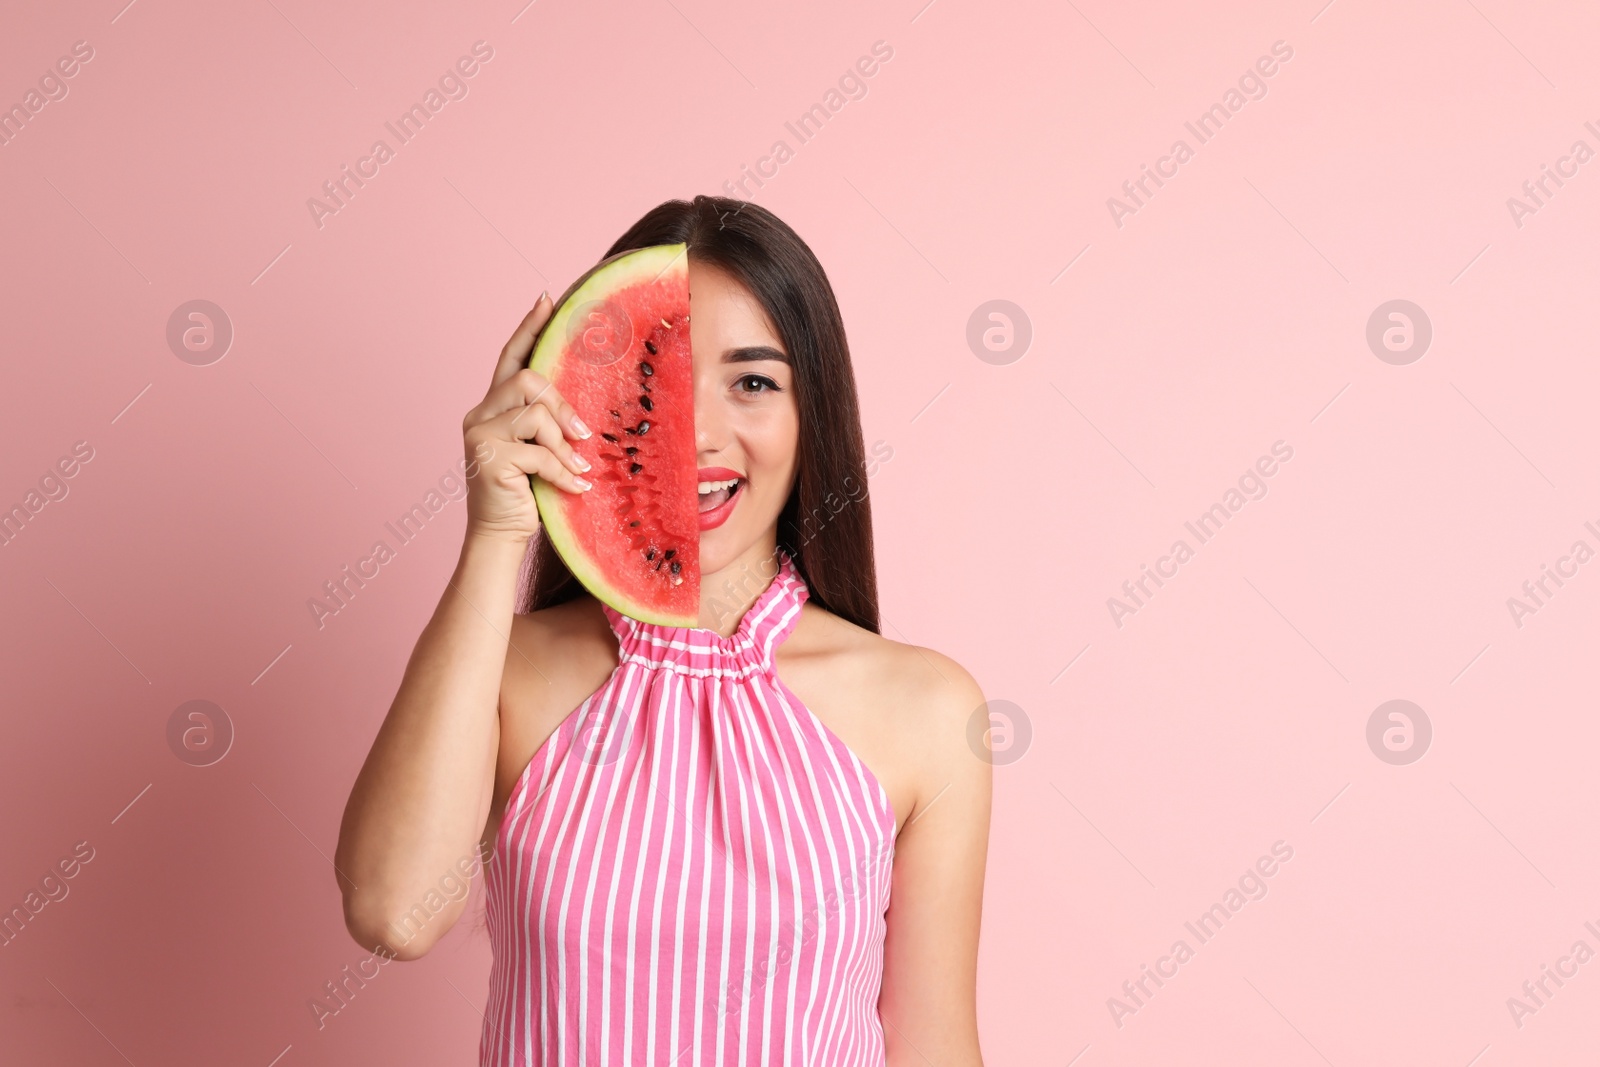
(522, 427)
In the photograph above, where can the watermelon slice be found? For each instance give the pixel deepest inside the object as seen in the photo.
(617, 348)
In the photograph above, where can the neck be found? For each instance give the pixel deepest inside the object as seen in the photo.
(727, 593)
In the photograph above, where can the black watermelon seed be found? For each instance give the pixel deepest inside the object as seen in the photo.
(629, 429)
(649, 553)
(652, 349)
(635, 522)
(670, 553)
(659, 562)
(643, 428)
(635, 468)
(646, 403)
(609, 437)
(645, 366)
(630, 450)
(676, 566)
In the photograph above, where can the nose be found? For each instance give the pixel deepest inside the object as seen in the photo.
(710, 421)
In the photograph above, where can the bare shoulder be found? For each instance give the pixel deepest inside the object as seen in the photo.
(555, 658)
(904, 708)
(929, 680)
(925, 683)
(556, 643)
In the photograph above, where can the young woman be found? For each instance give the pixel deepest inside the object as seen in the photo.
(757, 841)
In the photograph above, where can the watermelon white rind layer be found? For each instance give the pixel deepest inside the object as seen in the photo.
(640, 266)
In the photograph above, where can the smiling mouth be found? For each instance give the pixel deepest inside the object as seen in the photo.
(714, 494)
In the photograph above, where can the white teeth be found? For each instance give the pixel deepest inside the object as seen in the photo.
(712, 487)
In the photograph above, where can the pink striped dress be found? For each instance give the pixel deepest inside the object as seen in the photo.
(693, 869)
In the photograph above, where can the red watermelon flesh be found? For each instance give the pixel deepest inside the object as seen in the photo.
(617, 348)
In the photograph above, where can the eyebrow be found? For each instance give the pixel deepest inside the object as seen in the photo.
(754, 354)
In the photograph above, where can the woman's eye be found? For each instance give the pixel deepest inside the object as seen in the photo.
(756, 383)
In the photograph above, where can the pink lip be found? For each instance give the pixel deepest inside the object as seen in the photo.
(719, 514)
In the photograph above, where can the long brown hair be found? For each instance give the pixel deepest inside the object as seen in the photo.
(826, 524)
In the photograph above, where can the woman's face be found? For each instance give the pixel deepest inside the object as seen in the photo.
(747, 425)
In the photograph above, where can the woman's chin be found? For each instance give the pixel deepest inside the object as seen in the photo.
(724, 548)
(717, 552)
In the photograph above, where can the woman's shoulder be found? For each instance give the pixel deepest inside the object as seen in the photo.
(890, 673)
(905, 709)
(580, 618)
(557, 650)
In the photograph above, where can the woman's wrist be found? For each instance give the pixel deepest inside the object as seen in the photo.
(494, 547)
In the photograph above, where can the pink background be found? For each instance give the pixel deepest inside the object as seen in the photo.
(1227, 314)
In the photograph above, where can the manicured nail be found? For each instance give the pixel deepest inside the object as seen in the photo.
(581, 484)
(582, 430)
(583, 464)
(543, 296)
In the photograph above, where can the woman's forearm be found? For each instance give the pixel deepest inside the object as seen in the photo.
(420, 801)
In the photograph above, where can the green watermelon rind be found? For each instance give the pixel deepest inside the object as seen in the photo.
(638, 265)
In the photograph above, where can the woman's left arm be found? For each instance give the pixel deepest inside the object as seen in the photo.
(928, 1002)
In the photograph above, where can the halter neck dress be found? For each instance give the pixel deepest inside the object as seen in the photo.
(692, 869)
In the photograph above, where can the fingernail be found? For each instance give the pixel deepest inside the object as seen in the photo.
(544, 295)
(582, 430)
(583, 464)
(581, 484)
